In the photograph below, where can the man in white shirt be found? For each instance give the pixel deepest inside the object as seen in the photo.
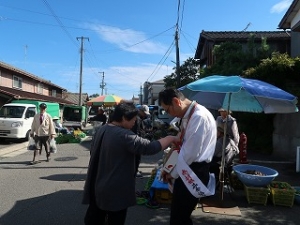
(199, 134)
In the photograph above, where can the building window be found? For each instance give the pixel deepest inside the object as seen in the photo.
(53, 93)
(40, 88)
(17, 83)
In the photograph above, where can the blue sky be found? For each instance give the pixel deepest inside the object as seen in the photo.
(130, 41)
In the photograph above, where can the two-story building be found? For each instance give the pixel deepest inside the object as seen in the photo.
(19, 84)
(151, 90)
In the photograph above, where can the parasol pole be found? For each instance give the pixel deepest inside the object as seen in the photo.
(221, 176)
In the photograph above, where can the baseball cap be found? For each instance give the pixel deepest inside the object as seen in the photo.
(43, 105)
(145, 109)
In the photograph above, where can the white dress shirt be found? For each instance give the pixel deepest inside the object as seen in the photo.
(200, 136)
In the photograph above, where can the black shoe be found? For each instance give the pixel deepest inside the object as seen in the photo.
(48, 157)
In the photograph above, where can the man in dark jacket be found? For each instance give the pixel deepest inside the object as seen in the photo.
(101, 117)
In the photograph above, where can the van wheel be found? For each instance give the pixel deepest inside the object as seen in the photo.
(27, 136)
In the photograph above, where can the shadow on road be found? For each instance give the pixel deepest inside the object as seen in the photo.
(62, 207)
(66, 177)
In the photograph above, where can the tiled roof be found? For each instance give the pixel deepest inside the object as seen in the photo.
(18, 94)
(74, 97)
(290, 14)
(23, 72)
(227, 35)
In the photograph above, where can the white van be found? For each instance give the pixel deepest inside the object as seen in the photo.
(16, 120)
(16, 117)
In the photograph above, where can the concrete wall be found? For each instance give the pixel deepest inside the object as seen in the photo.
(295, 44)
(286, 135)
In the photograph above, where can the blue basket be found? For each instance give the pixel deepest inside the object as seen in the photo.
(255, 180)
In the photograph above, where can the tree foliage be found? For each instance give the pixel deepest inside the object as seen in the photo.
(93, 95)
(189, 72)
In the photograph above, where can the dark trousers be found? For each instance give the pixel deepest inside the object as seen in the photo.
(96, 216)
(137, 163)
(42, 141)
(183, 202)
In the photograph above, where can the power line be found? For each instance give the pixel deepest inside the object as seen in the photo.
(59, 22)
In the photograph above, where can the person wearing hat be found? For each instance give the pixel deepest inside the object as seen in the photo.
(42, 129)
(56, 122)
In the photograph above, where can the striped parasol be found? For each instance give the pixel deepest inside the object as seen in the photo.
(105, 100)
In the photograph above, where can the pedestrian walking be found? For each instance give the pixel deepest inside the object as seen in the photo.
(42, 130)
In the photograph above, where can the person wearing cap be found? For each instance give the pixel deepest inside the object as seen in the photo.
(231, 141)
(232, 135)
(145, 119)
(143, 126)
(42, 129)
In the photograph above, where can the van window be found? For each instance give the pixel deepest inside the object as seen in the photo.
(72, 114)
(30, 112)
(12, 111)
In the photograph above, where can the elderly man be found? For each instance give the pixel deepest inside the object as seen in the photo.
(42, 129)
(232, 136)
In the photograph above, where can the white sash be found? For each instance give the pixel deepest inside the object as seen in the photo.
(192, 182)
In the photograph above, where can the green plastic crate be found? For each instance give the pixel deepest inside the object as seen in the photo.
(282, 193)
(258, 195)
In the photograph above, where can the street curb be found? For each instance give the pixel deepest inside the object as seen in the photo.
(15, 147)
(21, 146)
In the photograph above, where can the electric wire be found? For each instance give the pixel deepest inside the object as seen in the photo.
(60, 23)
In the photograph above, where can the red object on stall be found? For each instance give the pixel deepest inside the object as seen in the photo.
(243, 148)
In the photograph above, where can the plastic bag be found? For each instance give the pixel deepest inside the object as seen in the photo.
(52, 144)
(31, 144)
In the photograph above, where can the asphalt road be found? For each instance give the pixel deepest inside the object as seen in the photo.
(4, 143)
(50, 193)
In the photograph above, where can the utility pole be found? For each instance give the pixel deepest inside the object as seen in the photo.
(141, 95)
(102, 85)
(177, 57)
(80, 77)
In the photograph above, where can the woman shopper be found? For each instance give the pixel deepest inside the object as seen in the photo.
(110, 186)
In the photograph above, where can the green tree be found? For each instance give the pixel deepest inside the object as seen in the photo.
(93, 95)
(189, 72)
(233, 59)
